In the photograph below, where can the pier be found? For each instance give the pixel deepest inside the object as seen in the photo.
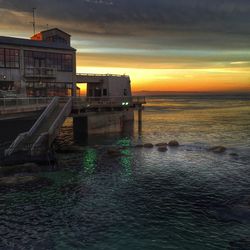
(54, 111)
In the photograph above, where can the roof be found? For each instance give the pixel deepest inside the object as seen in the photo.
(44, 31)
(33, 43)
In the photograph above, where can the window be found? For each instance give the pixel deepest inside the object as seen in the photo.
(61, 62)
(2, 64)
(67, 62)
(125, 92)
(90, 92)
(104, 92)
(9, 58)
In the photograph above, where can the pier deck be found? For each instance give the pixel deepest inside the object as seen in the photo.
(54, 111)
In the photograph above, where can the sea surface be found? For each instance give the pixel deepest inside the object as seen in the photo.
(187, 198)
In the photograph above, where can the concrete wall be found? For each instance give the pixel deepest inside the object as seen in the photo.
(116, 86)
(101, 123)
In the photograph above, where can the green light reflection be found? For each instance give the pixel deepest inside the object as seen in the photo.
(89, 161)
(126, 160)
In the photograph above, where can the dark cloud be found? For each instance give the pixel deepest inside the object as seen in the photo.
(212, 23)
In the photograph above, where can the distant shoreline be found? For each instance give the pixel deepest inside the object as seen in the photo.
(173, 93)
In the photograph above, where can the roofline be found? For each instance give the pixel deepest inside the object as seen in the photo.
(44, 45)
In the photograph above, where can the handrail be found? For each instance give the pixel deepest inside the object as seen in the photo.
(101, 75)
(52, 130)
(62, 116)
(38, 142)
(109, 100)
(21, 137)
(10, 102)
(15, 143)
(45, 114)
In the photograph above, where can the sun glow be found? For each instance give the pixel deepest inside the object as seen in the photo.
(199, 79)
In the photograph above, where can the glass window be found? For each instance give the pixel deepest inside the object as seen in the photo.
(67, 63)
(61, 62)
(11, 58)
(104, 92)
(2, 64)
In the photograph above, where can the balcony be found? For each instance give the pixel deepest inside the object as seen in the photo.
(41, 72)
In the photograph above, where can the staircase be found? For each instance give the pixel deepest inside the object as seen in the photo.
(39, 138)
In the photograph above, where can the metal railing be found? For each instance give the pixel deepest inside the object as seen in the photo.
(40, 72)
(23, 136)
(6, 103)
(44, 115)
(48, 137)
(112, 100)
(101, 75)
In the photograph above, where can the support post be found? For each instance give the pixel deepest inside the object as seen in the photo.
(80, 128)
(140, 120)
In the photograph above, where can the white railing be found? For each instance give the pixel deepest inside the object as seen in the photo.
(66, 110)
(44, 115)
(6, 103)
(53, 130)
(100, 75)
(114, 100)
(23, 136)
(40, 72)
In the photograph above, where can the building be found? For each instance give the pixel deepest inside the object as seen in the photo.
(44, 65)
(106, 85)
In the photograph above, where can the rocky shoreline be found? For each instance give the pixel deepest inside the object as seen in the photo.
(18, 173)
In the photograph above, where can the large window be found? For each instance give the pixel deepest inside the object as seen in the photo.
(9, 58)
(2, 64)
(61, 62)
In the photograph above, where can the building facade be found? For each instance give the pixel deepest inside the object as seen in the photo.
(44, 65)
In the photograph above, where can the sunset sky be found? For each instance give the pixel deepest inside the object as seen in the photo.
(164, 45)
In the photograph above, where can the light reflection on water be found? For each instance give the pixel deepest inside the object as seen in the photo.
(186, 198)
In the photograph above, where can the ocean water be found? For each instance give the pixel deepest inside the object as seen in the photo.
(185, 198)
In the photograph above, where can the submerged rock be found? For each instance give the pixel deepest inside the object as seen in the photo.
(173, 143)
(114, 152)
(148, 145)
(235, 155)
(163, 144)
(218, 149)
(162, 149)
(23, 182)
(70, 149)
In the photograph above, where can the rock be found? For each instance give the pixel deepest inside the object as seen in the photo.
(235, 155)
(23, 182)
(163, 144)
(162, 149)
(217, 149)
(16, 169)
(139, 146)
(148, 145)
(173, 143)
(70, 149)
